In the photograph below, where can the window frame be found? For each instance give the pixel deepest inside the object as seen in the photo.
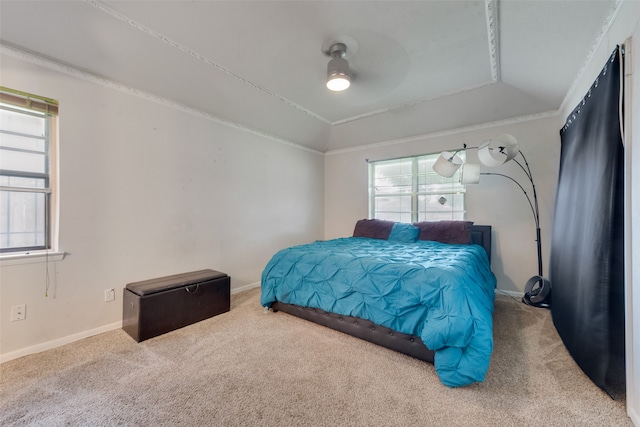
(456, 188)
(47, 109)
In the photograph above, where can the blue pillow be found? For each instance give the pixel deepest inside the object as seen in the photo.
(403, 233)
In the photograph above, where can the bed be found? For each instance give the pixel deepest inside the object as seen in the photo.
(424, 289)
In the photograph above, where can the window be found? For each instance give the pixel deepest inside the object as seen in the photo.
(27, 125)
(408, 190)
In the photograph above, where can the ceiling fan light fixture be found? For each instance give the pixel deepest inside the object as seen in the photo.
(338, 76)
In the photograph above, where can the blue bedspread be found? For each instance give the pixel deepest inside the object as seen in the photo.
(442, 293)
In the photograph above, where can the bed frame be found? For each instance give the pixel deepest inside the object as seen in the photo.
(372, 332)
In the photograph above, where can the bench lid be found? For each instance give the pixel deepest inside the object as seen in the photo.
(152, 286)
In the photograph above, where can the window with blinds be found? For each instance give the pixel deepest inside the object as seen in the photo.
(27, 124)
(408, 190)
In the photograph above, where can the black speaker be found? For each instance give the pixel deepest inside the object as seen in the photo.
(537, 292)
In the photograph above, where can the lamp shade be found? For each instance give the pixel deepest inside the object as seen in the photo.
(470, 173)
(447, 164)
(499, 150)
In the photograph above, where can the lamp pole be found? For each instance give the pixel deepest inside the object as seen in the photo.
(492, 153)
(533, 205)
(540, 280)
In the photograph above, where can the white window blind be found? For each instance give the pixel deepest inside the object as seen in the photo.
(26, 123)
(408, 190)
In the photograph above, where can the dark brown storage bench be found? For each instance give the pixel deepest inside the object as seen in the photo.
(156, 306)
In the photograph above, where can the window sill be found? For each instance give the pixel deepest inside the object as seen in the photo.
(30, 257)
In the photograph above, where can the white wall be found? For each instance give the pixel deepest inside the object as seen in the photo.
(147, 190)
(495, 201)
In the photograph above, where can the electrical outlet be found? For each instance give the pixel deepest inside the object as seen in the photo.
(18, 312)
(109, 295)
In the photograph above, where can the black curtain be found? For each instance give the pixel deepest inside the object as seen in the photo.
(587, 247)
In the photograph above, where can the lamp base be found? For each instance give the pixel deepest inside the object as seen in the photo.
(537, 292)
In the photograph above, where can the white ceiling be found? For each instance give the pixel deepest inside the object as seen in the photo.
(420, 66)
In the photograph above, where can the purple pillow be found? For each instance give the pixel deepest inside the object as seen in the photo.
(373, 228)
(457, 232)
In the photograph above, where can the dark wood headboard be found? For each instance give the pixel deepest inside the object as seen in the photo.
(481, 235)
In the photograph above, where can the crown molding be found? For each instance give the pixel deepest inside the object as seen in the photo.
(413, 103)
(35, 58)
(492, 22)
(491, 13)
(615, 9)
(38, 59)
(493, 36)
(185, 49)
(447, 132)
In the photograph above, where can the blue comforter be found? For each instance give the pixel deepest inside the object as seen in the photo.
(440, 292)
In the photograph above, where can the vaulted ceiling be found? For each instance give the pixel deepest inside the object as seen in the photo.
(420, 66)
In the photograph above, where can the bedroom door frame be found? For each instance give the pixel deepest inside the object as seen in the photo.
(632, 245)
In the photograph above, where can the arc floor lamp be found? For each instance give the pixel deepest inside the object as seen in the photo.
(492, 153)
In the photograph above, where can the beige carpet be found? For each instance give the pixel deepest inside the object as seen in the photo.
(253, 369)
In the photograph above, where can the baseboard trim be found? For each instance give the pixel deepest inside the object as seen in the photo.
(58, 342)
(86, 334)
(509, 293)
(633, 415)
(245, 287)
